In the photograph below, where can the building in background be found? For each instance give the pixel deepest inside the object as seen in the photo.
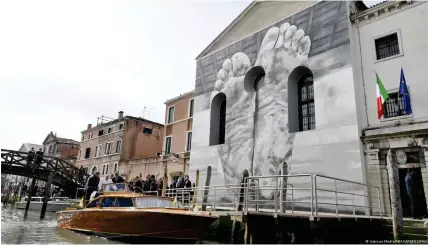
(177, 142)
(386, 38)
(66, 149)
(26, 147)
(109, 146)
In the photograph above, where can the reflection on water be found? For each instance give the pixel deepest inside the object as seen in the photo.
(15, 229)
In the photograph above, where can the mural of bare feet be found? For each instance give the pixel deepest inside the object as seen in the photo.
(257, 134)
(282, 50)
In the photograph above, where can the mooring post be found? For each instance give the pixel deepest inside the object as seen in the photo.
(244, 182)
(248, 237)
(394, 185)
(30, 194)
(284, 186)
(207, 189)
(165, 180)
(196, 190)
(47, 192)
(236, 225)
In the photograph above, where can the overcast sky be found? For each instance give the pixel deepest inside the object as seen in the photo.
(64, 63)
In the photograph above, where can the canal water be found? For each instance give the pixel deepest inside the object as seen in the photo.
(17, 230)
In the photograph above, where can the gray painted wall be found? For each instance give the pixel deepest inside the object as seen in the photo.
(257, 132)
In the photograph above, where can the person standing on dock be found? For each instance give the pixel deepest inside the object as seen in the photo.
(138, 184)
(92, 185)
(117, 178)
(411, 192)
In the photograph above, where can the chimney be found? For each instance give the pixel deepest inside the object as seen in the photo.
(89, 126)
(120, 114)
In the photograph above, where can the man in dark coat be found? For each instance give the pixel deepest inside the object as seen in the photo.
(39, 158)
(153, 185)
(187, 182)
(139, 185)
(188, 185)
(92, 185)
(147, 183)
(117, 178)
(411, 191)
(31, 155)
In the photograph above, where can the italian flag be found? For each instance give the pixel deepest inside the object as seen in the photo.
(381, 95)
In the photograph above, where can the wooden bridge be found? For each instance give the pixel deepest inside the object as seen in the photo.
(65, 174)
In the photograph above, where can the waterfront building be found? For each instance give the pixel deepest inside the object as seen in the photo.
(176, 142)
(66, 149)
(26, 147)
(112, 143)
(274, 93)
(390, 39)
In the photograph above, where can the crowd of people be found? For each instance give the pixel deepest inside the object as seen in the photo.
(148, 186)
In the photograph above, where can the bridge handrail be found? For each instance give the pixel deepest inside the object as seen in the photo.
(48, 163)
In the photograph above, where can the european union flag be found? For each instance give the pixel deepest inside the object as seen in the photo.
(405, 94)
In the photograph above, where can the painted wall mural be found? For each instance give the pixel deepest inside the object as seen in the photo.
(259, 131)
(282, 50)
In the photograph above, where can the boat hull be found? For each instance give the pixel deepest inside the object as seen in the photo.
(157, 223)
(37, 206)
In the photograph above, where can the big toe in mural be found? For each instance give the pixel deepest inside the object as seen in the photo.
(235, 154)
(282, 50)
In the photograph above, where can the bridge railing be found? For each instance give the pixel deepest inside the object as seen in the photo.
(48, 163)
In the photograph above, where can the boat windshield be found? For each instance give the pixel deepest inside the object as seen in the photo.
(124, 202)
(114, 187)
(154, 202)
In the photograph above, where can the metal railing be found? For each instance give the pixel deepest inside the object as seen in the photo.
(220, 197)
(310, 193)
(313, 194)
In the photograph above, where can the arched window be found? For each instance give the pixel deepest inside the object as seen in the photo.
(254, 79)
(301, 104)
(218, 119)
(306, 102)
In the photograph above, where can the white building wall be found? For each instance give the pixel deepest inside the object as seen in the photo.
(411, 23)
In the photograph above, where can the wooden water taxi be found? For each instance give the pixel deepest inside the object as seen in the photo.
(121, 213)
